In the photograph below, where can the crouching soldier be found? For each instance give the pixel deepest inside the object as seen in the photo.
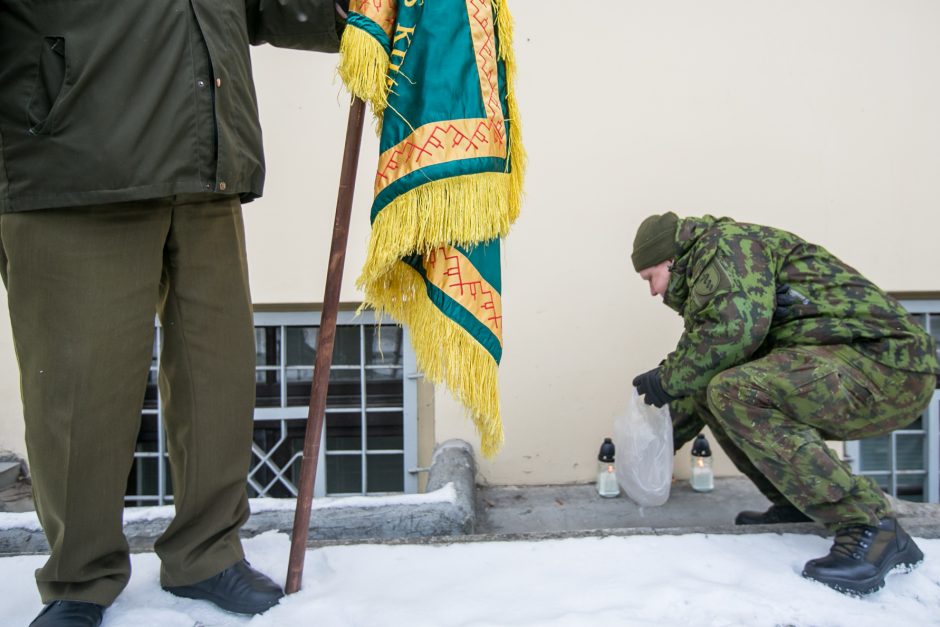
(785, 347)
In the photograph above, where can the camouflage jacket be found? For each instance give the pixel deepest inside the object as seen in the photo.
(724, 284)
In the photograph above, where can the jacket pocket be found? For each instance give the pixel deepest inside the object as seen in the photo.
(50, 78)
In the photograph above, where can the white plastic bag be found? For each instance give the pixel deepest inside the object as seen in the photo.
(643, 441)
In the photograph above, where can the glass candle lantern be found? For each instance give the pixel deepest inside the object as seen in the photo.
(702, 479)
(607, 485)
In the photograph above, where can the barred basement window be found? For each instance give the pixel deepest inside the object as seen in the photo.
(369, 441)
(906, 462)
(149, 479)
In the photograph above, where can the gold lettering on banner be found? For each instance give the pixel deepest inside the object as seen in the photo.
(397, 56)
(402, 32)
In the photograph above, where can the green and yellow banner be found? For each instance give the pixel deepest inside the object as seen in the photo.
(439, 76)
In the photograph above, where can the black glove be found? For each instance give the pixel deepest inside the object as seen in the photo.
(650, 387)
(786, 297)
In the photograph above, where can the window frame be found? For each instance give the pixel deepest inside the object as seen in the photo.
(285, 316)
(270, 317)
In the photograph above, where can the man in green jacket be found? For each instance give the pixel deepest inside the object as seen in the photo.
(129, 137)
(785, 347)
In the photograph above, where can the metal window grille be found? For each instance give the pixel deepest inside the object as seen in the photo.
(149, 481)
(369, 440)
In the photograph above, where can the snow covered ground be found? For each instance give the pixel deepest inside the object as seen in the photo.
(689, 581)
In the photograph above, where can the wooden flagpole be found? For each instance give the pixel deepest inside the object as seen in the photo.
(325, 336)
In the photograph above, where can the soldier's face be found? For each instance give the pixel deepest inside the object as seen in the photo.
(658, 277)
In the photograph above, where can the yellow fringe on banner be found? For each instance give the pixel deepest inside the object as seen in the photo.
(479, 207)
(363, 66)
(517, 154)
(444, 350)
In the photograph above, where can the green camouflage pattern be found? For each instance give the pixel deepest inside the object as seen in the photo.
(724, 282)
(773, 415)
(690, 415)
(779, 410)
(842, 360)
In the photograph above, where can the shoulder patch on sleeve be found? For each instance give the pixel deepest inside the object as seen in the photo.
(711, 279)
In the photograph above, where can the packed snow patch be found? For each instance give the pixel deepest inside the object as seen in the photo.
(720, 580)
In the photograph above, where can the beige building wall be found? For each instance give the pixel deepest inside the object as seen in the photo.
(818, 117)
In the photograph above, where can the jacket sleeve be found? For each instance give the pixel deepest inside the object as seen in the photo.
(298, 24)
(728, 315)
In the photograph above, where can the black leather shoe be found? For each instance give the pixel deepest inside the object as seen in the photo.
(69, 614)
(239, 588)
(862, 555)
(775, 515)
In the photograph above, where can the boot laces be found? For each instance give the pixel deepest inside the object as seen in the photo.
(854, 541)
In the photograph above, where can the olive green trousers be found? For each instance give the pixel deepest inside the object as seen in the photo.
(773, 415)
(83, 287)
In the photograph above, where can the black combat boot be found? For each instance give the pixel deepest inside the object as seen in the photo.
(862, 555)
(69, 614)
(776, 514)
(239, 588)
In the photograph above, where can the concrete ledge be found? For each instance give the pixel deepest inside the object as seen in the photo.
(447, 509)
(452, 462)
(9, 474)
(921, 520)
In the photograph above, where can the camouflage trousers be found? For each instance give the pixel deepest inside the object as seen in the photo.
(772, 417)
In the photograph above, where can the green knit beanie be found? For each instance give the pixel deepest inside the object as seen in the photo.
(655, 241)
